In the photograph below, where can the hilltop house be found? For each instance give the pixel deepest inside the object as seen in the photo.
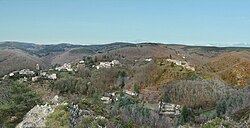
(107, 64)
(177, 62)
(115, 62)
(182, 63)
(64, 67)
(21, 73)
(52, 76)
(103, 65)
(45, 75)
(26, 72)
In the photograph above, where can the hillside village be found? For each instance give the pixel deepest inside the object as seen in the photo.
(115, 90)
(43, 111)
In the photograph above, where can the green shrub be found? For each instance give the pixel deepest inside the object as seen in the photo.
(59, 118)
(126, 101)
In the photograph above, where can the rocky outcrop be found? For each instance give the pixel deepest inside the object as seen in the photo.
(36, 117)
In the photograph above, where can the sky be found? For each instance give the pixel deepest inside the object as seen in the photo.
(193, 22)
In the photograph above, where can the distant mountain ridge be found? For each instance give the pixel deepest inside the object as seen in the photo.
(241, 45)
(36, 49)
(44, 49)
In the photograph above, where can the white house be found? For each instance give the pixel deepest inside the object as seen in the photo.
(106, 100)
(104, 65)
(149, 59)
(34, 78)
(64, 67)
(24, 79)
(81, 62)
(182, 63)
(130, 93)
(107, 64)
(11, 74)
(52, 76)
(26, 72)
(169, 109)
(115, 62)
(43, 74)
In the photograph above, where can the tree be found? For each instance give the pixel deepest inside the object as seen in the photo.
(89, 62)
(221, 108)
(122, 84)
(136, 88)
(95, 58)
(172, 64)
(166, 97)
(85, 72)
(122, 74)
(185, 113)
(126, 101)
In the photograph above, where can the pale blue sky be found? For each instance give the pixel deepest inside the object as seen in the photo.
(200, 22)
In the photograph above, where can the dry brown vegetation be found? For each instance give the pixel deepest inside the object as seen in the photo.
(195, 93)
(233, 68)
(66, 57)
(13, 59)
(207, 94)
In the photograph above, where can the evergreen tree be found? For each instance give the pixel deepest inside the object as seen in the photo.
(185, 113)
(221, 108)
(122, 84)
(136, 88)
